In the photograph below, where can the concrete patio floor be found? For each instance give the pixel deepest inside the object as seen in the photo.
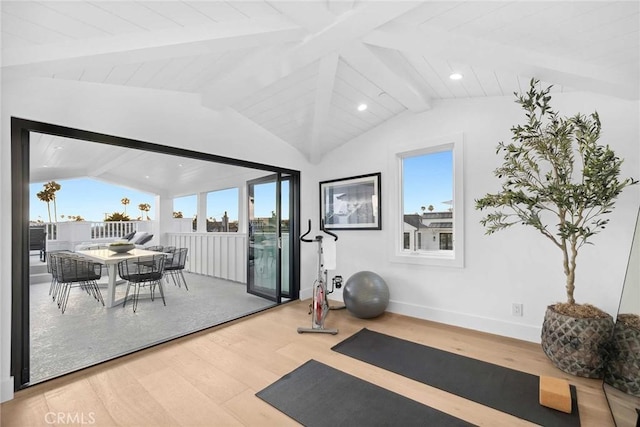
(88, 333)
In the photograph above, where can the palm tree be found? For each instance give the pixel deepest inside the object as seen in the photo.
(53, 187)
(46, 196)
(125, 202)
(117, 216)
(144, 207)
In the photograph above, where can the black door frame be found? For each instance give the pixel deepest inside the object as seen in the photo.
(20, 146)
(294, 243)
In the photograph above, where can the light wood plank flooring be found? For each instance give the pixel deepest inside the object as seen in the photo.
(210, 378)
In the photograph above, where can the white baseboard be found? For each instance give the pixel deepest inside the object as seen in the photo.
(464, 320)
(6, 389)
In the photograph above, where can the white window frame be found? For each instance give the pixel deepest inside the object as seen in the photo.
(448, 258)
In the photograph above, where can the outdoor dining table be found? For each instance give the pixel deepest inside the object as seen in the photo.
(111, 259)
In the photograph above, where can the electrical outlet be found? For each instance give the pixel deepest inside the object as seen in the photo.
(516, 309)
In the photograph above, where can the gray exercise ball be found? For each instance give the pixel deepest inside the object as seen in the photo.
(366, 295)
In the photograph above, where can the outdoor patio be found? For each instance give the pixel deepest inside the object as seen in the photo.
(88, 333)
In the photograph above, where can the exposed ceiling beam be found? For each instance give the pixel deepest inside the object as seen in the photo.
(311, 15)
(367, 63)
(148, 46)
(347, 27)
(324, 92)
(431, 42)
(381, 72)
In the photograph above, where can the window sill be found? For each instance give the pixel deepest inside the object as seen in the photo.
(435, 258)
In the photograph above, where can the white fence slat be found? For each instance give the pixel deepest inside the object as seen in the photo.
(220, 255)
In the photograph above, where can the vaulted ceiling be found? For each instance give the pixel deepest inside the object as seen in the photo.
(300, 69)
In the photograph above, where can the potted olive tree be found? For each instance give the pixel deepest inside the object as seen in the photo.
(556, 178)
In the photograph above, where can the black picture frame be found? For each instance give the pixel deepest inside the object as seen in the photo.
(352, 203)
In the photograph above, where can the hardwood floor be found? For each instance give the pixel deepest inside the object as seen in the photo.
(210, 378)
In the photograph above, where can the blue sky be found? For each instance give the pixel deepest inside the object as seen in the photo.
(89, 198)
(217, 203)
(427, 180)
(92, 199)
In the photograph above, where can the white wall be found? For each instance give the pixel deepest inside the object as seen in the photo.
(515, 265)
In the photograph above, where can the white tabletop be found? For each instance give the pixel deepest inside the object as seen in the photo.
(105, 256)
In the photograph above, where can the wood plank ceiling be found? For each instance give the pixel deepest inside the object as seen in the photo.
(300, 69)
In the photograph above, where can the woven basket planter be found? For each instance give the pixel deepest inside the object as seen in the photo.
(576, 346)
(623, 366)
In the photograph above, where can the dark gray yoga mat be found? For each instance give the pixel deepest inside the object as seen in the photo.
(504, 389)
(318, 395)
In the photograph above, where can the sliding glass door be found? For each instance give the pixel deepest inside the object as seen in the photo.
(270, 241)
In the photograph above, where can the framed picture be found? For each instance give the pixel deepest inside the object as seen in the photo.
(351, 203)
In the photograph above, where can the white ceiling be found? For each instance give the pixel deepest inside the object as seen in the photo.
(57, 158)
(299, 69)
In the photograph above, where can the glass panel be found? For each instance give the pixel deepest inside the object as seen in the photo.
(186, 207)
(286, 237)
(427, 200)
(263, 233)
(222, 210)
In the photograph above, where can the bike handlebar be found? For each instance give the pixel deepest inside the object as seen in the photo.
(335, 237)
(308, 231)
(302, 238)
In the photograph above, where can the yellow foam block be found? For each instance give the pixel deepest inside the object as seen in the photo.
(555, 393)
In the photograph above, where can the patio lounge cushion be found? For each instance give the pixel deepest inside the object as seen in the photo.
(140, 235)
(145, 239)
(129, 236)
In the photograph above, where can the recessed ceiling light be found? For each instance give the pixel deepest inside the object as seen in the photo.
(455, 76)
(362, 107)
(59, 147)
(179, 165)
(146, 176)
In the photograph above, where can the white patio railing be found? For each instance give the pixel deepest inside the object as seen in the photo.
(112, 229)
(98, 230)
(67, 235)
(222, 255)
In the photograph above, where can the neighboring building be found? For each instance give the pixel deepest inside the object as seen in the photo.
(428, 232)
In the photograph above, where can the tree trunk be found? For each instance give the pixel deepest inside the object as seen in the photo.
(570, 287)
(571, 277)
(569, 271)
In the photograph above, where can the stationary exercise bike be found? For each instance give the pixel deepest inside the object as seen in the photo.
(320, 304)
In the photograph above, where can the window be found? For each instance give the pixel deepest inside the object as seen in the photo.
(186, 207)
(428, 209)
(222, 210)
(446, 241)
